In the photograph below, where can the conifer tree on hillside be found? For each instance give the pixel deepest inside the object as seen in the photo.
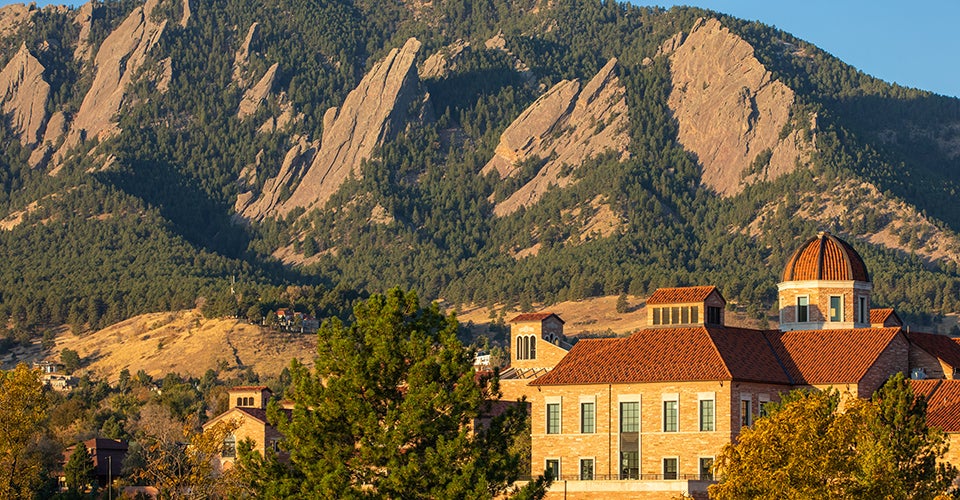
(390, 411)
(79, 469)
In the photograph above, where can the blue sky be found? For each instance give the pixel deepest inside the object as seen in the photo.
(913, 43)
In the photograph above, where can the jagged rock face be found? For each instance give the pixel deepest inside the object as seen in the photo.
(296, 160)
(255, 95)
(371, 114)
(566, 126)
(444, 61)
(24, 95)
(242, 58)
(84, 18)
(13, 16)
(730, 110)
(184, 21)
(118, 59)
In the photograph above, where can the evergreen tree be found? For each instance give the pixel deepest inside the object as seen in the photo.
(79, 469)
(390, 411)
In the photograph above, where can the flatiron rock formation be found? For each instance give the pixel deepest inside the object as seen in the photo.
(565, 126)
(371, 114)
(730, 110)
(24, 94)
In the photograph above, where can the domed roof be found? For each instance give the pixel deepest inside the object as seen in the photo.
(825, 257)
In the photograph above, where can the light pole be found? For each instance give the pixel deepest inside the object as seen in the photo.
(109, 477)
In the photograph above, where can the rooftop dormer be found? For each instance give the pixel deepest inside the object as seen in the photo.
(249, 396)
(691, 305)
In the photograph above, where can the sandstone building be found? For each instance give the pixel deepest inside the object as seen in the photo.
(645, 416)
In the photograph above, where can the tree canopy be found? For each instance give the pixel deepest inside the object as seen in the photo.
(23, 408)
(820, 445)
(390, 411)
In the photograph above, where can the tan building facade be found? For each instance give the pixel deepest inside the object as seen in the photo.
(645, 416)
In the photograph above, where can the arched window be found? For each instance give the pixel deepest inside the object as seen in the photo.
(519, 354)
(533, 347)
(239, 401)
(526, 347)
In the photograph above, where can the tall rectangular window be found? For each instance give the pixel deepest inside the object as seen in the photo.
(674, 315)
(670, 417)
(706, 469)
(656, 315)
(836, 308)
(553, 418)
(694, 314)
(670, 468)
(685, 315)
(863, 316)
(803, 312)
(746, 417)
(586, 469)
(707, 415)
(588, 418)
(630, 440)
(630, 417)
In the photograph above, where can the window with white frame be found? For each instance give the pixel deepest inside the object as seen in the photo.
(670, 416)
(706, 468)
(552, 468)
(670, 466)
(586, 469)
(764, 401)
(746, 414)
(836, 308)
(588, 417)
(803, 309)
(553, 418)
(708, 415)
(630, 438)
(671, 412)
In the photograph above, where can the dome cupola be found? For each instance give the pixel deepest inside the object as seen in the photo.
(825, 285)
(825, 257)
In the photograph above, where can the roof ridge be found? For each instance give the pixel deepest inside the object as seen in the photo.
(776, 357)
(713, 343)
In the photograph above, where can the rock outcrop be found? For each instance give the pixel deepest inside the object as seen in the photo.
(371, 114)
(84, 18)
(185, 20)
(119, 58)
(443, 61)
(255, 95)
(731, 111)
(564, 127)
(13, 16)
(294, 164)
(242, 57)
(24, 94)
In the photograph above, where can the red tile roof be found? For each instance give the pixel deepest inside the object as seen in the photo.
(830, 356)
(669, 354)
(825, 257)
(941, 346)
(943, 407)
(924, 387)
(682, 295)
(534, 317)
(880, 315)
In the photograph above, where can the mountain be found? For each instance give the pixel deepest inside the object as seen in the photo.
(247, 155)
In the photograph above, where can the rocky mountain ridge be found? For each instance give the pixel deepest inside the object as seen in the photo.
(472, 154)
